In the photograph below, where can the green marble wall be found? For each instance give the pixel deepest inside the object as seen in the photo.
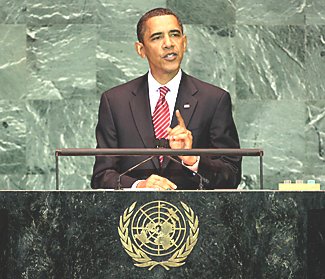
(57, 57)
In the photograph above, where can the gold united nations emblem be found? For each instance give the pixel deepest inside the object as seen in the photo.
(158, 233)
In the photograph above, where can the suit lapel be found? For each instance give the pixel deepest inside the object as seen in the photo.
(140, 108)
(185, 103)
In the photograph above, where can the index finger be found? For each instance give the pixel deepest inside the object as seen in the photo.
(180, 119)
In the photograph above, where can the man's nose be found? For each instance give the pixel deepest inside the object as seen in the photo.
(168, 43)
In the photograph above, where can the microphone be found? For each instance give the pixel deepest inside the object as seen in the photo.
(119, 185)
(159, 143)
(164, 143)
(202, 178)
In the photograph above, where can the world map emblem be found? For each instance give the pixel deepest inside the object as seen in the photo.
(158, 234)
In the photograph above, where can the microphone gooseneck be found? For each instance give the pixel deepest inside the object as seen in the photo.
(119, 185)
(201, 187)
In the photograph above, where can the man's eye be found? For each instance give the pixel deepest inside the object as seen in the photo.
(156, 38)
(175, 35)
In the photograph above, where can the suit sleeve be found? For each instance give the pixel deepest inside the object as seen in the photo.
(222, 172)
(106, 170)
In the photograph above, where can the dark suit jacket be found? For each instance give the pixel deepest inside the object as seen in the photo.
(124, 121)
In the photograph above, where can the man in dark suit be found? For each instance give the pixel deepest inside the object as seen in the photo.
(198, 115)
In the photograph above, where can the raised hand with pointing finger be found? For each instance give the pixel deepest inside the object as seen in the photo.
(181, 138)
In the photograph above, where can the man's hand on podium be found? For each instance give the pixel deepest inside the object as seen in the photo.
(157, 182)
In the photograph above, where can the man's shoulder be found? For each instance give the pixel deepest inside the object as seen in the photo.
(205, 86)
(127, 87)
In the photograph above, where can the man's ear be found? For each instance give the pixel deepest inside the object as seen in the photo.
(140, 49)
(185, 42)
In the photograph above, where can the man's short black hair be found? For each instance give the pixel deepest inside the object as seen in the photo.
(153, 13)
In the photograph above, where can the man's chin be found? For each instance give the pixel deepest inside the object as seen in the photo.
(172, 69)
(168, 70)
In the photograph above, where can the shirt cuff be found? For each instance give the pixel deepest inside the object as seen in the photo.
(195, 167)
(135, 184)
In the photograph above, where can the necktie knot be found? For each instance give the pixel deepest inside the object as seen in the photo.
(163, 91)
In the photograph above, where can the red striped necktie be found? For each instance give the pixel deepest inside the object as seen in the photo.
(161, 117)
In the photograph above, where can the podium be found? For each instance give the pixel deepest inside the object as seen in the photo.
(239, 234)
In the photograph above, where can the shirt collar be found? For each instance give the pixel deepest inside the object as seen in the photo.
(172, 85)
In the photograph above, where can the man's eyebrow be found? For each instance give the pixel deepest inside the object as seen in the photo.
(175, 31)
(155, 34)
(160, 33)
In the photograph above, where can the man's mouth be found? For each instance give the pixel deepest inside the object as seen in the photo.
(170, 56)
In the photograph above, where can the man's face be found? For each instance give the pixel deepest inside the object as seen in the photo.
(163, 46)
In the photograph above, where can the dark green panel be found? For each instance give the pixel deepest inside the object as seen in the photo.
(315, 140)
(13, 12)
(278, 128)
(121, 14)
(45, 12)
(270, 62)
(209, 12)
(27, 181)
(13, 182)
(61, 61)
(315, 61)
(275, 12)
(61, 124)
(210, 55)
(315, 12)
(12, 61)
(117, 60)
(13, 138)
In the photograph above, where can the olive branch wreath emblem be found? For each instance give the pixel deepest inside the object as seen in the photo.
(141, 258)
